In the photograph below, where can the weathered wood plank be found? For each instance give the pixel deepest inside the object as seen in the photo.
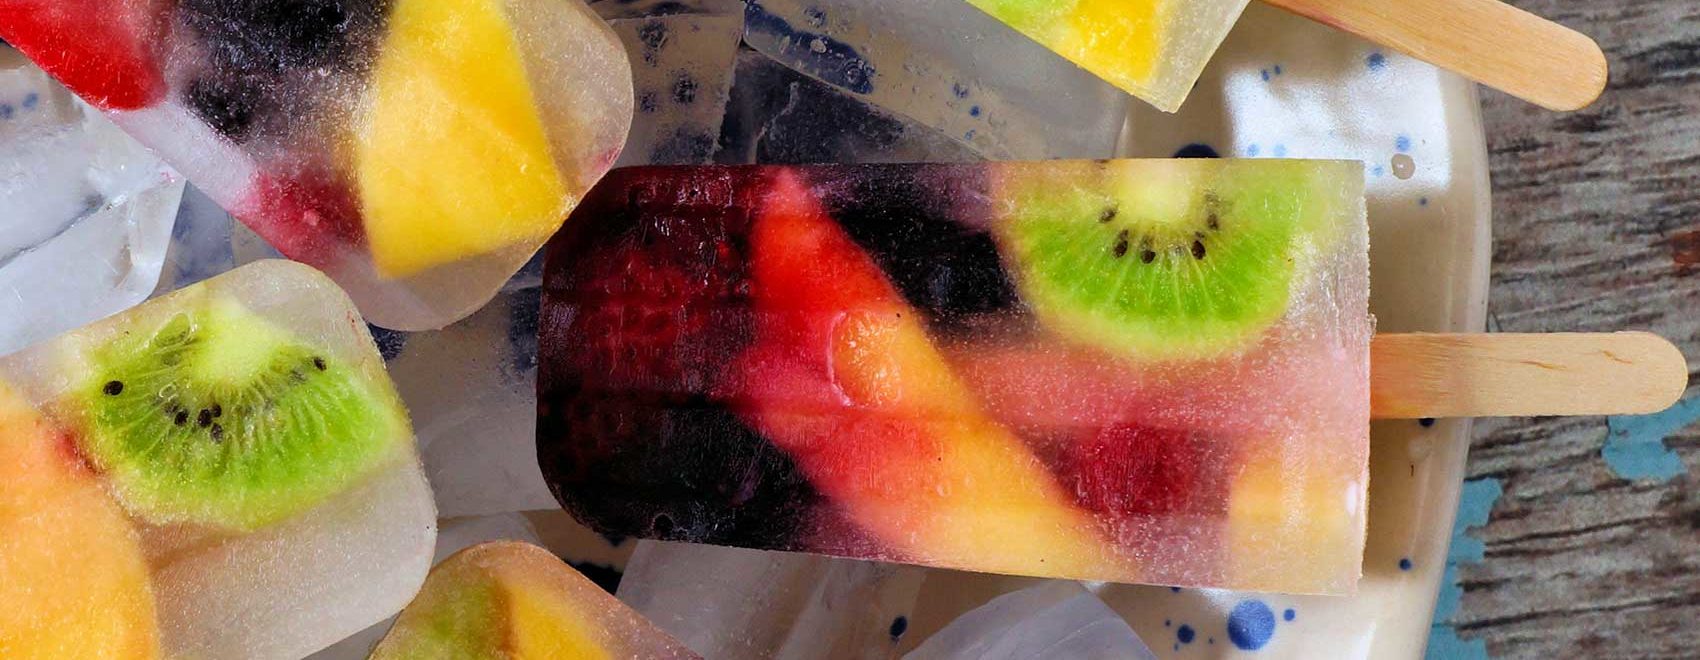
(1597, 228)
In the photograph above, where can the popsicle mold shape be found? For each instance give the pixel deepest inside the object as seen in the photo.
(515, 600)
(1133, 371)
(418, 151)
(1154, 49)
(255, 453)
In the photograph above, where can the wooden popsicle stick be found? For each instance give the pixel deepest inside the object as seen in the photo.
(1487, 41)
(1413, 376)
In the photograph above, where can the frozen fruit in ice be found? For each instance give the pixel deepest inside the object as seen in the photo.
(642, 312)
(111, 62)
(449, 89)
(1286, 521)
(266, 35)
(515, 600)
(843, 377)
(1162, 260)
(72, 576)
(1120, 40)
(213, 415)
(306, 213)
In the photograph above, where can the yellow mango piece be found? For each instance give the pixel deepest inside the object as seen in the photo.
(452, 159)
(1289, 525)
(542, 625)
(73, 581)
(1119, 40)
(515, 601)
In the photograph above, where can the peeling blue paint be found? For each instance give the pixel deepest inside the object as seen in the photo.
(1635, 447)
(1475, 504)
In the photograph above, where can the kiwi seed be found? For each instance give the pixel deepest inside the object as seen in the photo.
(113, 388)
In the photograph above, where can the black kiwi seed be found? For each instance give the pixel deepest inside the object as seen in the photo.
(182, 418)
(1198, 249)
(318, 363)
(204, 419)
(113, 388)
(217, 410)
(217, 433)
(1121, 244)
(1108, 214)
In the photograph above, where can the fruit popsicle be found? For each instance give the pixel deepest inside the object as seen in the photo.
(418, 151)
(1133, 371)
(240, 441)
(1153, 49)
(516, 600)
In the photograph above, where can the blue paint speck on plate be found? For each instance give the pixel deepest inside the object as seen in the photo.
(1265, 75)
(1378, 171)
(1377, 61)
(1167, 623)
(1289, 615)
(1402, 143)
(1423, 201)
(1277, 69)
(1280, 151)
(1427, 422)
(6, 111)
(1405, 563)
(1197, 150)
(960, 90)
(1253, 150)
(30, 100)
(1174, 590)
(1185, 634)
(1251, 625)
(974, 111)
(899, 626)
(969, 135)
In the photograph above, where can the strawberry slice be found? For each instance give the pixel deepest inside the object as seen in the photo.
(843, 377)
(104, 50)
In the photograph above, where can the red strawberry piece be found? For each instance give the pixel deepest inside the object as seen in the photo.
(1136, 471)
(307, 214)
(104, 50)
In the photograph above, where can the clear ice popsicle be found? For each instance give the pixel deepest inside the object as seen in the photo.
(1133, 371)
(1154, 49)
(516, 600)
(241, 441)
(418, 151)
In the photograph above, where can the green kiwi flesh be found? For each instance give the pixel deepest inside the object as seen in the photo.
(217, 417)
(1162, 260)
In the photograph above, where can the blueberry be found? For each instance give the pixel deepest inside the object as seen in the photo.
(229, 104)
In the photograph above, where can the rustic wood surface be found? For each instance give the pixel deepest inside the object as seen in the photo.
(1597, 228)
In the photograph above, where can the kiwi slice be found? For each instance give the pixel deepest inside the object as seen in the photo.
(1162, 259)
(217, 417)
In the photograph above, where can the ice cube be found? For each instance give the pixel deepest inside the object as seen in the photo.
(682, 61)
(732, 603)
(85, 211)
(949, 66)
(249, 554)
(777, 115)
(1057, 619)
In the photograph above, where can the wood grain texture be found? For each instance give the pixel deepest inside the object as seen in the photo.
(1487, 41)
(1413, 376)
(1597, 228)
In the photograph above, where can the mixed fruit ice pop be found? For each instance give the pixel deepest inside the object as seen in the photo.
(418, 151)
(1154, 49)
(516, 600)
(241, 454)
(1135, 371)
